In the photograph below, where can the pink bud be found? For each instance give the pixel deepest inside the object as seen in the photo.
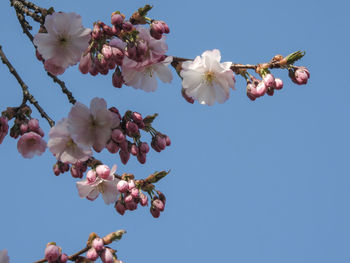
(107, 51)
(118, 136)
(143, 199)
(124, 146)
(103, 171)
(269, 80)
(166, 27)
(52, 253)
(124, 156)
(127, 26)
(40, 132)
(132, 205)
(134, 150)
(157, 27)
(23, 128)
(155, 146)
(141, 157)
(131, 184)
(186, 97)
(137, 117)
(92, 254)
(128, 198)
(91, 176)
(108, 30)
(261, 88)
(93, 69)
(112, 147)
(279, 84)
(115, 30)
(85, 63)
(270, 91)
(119, 207)
(98, 244)
(117, 20)
(160, 141)
(122, 186)
(251, 91)
(118, 55)
(167, 140)
(33, 125)
(107, 256)
(96, 32)
(117, 79)
(155, 212)
(302, 75)
(56, 170)
(158, 204)
(144, 148)
(135, 192)
(63, 258)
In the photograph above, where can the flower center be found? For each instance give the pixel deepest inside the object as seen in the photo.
(62, 41)
(31, 142)
(100, 188)
(70, 143)
(209, 77)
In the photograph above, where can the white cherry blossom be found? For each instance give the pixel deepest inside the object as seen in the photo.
(144, 76)
(63, 146)
(92, 186)
(206, 79)
(66, 39)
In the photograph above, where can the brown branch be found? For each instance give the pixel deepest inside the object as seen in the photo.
(26, 94)
(21, 8)
(66, 91)
(37, 9)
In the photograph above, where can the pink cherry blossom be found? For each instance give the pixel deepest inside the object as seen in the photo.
(144, 76)
(65, 41)
(31, 144)
(92, 127)
(206, 79)
(107, 187)
(63, 146)
(4, 258)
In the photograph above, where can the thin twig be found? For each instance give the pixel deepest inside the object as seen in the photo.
(20, 7)
(26, 94)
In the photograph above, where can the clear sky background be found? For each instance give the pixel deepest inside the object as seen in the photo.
(265, 181)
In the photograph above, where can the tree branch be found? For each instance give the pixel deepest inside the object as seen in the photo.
(26, 94)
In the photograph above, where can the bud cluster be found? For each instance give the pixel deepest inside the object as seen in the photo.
(53, 254)
(130, 126)
(257, 88)
(132, 194)
(99, 250)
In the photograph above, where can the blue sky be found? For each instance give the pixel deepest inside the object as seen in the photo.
(264, 181)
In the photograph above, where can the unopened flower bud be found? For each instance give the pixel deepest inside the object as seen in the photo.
(131, 184)
(117, 79)
(134, 150)
(160, 141)
(98, 244)
(63, 258)
(52, 253)
(96, 32)
(112, 147)
(122, 186)
(118, 136)
(56, 169)
(270, 91)
(85, 63)
(143, 199)
(91, 176)
(75, 172)
(155, 212)
(127, 26)
(23, 128)
(167, 140)
(144, 148)
(92, 254)
(261, 89)
(279, 84)
(302, 75)
(135, 192)
(103, 171)
(141, 157)
(269, 80)
(33, 125)
(107, 51)
(132, 205)
(117, 19)
(186, 97)
(119, 207)
(107, 256)
(158, 204)
(128, 198)
(124, 156)
(118, 55)
(132, 127)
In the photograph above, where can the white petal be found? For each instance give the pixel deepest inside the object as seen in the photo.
(84, 188)
(110, 191)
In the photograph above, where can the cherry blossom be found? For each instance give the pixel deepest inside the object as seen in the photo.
(63, 146)
(65, 41)
(93, 185)
(206, 79)
(31, 144)
(92, 127)
(4, 258)
(144, 77)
